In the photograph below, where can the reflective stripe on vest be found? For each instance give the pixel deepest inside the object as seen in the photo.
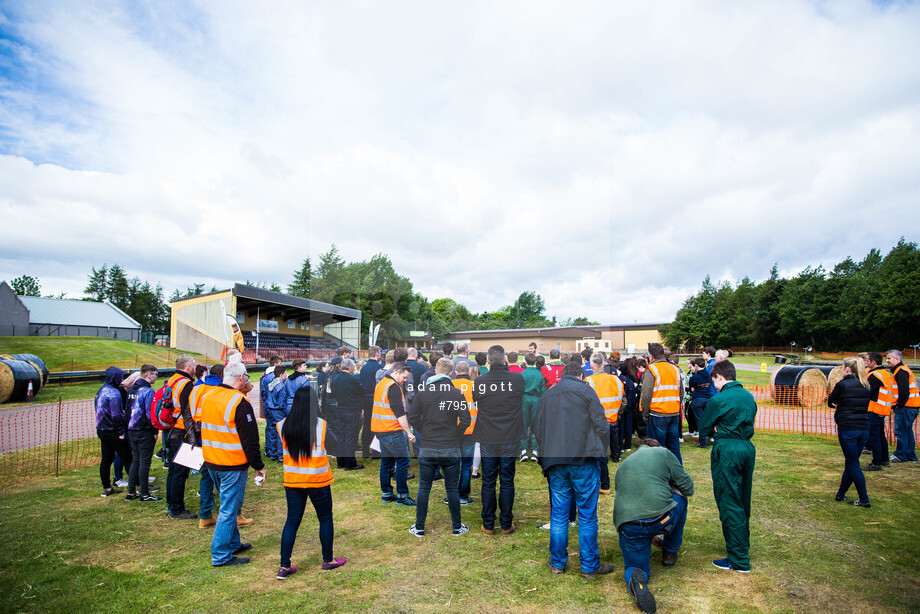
(196, 398)
(175, 384)
(882, 407)
(666, 393)
(913, 398)
(466, 387)
(609, 391)
(308, 471)
(383, 420)
(220, 440)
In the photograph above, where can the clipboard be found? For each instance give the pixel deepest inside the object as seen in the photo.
(375, 444)
(190, 456)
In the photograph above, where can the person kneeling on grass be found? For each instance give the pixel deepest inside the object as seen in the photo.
(652, 489)
(307, 475)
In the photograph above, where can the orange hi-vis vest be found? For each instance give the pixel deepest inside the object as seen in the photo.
(177, 385)
(465, 385)
(220, 440)
(383, 420)
(666, 393)
(882, 407)
(307, 471)
(914, 399)
(196, 398)
(609, 390)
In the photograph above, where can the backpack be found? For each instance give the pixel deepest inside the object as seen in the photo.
(161, 409)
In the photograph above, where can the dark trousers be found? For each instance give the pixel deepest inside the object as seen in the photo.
(698, 406)
(499, 462)
(321, 498)
(272, 439)
(120, 465)
(367, 435)
(852, 444)
(625, 420)
(691, 418)
(429, 461)
(347, 426)
(878, 442)
(142, 444)
(467, 452)
(111, 444)
(177, 474)
(614, 454)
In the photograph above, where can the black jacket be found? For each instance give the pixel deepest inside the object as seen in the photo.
(570, 426)
(348, 391)
(439, 412)
(498, 395)
(852, 404)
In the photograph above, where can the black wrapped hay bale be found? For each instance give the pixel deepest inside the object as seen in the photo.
(15, 377)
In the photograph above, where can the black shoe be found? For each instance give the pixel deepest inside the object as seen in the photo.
(437, 478)
(839, 497)
(600, 571)
(639, 588)
(668, 559)
(183, 515)
(242, 548)
(354, 468)
(132, 496)
(411, 476)
(873, 467)
(407, 501)
(151, 498)
(475, 476)
(237, 560)
(860, 503)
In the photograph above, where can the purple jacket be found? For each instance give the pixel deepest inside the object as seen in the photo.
(110, 415)
(139, 398)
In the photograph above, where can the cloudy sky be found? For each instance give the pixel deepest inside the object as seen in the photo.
(608, 155)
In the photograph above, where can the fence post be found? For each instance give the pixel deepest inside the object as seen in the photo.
(57, 454)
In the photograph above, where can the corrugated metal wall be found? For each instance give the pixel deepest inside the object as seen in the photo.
(204, 315)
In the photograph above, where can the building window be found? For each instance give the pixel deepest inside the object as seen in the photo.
(240, 317)
(304, 326)
(291, 324)
(317, 327)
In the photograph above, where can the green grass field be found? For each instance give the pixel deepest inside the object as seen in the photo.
(68, 550)
(90, 353)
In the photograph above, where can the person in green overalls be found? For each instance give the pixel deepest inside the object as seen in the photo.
(730, 415)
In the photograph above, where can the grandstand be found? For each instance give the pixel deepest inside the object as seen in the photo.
(271, 323)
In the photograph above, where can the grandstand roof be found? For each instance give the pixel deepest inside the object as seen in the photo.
(70, 312)
(248, 297)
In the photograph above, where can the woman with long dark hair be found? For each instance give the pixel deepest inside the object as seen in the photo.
(850, 400)
(306, 476)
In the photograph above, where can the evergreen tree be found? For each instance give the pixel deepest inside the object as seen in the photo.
(302, 280)
(98, 285)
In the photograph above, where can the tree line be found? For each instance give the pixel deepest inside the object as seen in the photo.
(873, 304)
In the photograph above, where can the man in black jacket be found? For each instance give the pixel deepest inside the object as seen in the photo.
(349, 395)
(572, 433)
(499, 429)
(440, 413)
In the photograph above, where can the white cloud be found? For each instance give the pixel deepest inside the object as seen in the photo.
(607, 155)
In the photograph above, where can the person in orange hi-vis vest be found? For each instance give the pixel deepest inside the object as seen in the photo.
(612, 395)
(181, 383)
(880, 384)
(662, 393)
(905, 398)
(230, 445)
(467, 444)
(391, 427)
(307, 475)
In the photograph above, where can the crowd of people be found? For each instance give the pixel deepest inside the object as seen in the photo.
(467, 418)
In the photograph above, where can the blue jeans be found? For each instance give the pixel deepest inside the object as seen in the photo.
(232, 488)
(878, 442)
(467, 451)
(852, 444)
(296, 504)
(429, 461)
(636, 537)
(206, 493)
(394, 452)
(578, 482)
(667, 432)
(698, 406)
(904, 432)
(272, 440)
(499, 462)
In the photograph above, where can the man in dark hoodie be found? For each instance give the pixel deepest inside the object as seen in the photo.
(111, 427)
(440, 414)
(296, 380)
(143, 435)
(499, 429)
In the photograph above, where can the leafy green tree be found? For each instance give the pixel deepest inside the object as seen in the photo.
(26, 285)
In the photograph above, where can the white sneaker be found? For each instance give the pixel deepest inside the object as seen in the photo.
(688, 434)
(534, 458)
(695, 434)
(524, 456)
(574, 523)
(546, 527)
(122, 483)
(463, 529)
(417, 532)
(151, 480)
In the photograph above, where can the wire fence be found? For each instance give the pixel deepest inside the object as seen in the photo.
(52, 438)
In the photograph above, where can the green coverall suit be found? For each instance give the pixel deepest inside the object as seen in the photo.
(534, 387)
(732, 412)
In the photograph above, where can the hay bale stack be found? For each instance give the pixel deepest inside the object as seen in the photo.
(37, 362)
(833, 377)
(805, 386)
(15, 377)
